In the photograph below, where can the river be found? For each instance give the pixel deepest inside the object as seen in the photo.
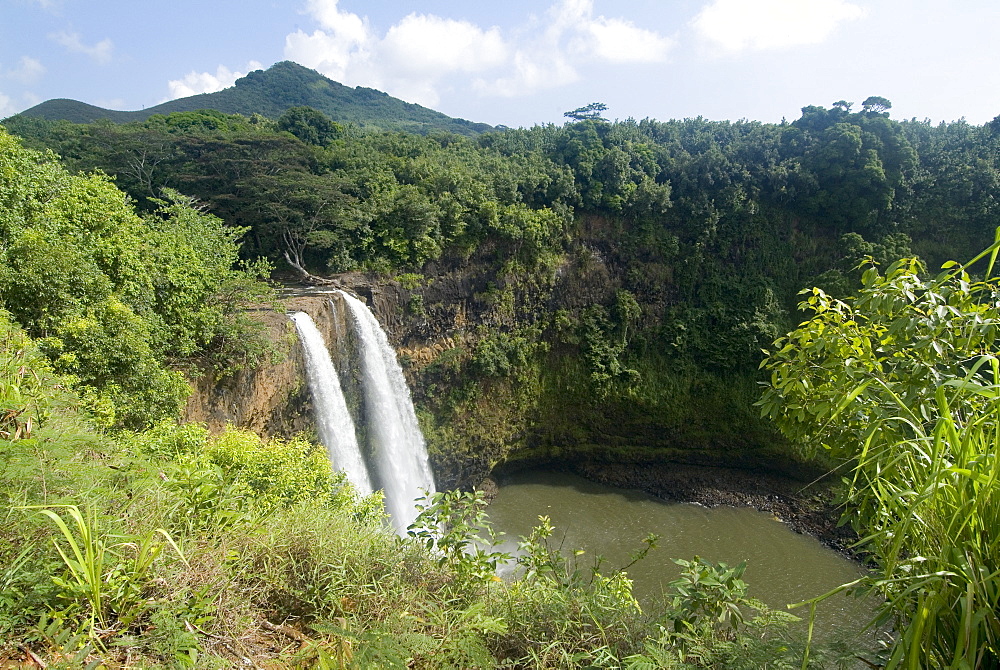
(782, 566)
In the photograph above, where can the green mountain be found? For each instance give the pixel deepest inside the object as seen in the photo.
(270, 92)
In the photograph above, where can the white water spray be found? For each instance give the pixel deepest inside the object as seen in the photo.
(400, 455)
(333, 421)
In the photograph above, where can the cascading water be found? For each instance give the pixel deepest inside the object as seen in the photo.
(333, 421)
(401, 463)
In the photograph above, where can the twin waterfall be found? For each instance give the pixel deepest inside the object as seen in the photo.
(395, 459)
(334, 425)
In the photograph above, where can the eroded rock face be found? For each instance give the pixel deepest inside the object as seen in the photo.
(476, 419)
(272, 399)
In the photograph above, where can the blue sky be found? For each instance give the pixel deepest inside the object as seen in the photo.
(522, 62)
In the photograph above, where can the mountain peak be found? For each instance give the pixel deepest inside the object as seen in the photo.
(272, 91)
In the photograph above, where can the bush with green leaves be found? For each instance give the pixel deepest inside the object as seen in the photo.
(23, 406)
(116, 299)
(887, 349)
(710, 622)
(901, 384)
(563, 614)
(455, 529)
(42, 424)
(257, 474)
(276, 471)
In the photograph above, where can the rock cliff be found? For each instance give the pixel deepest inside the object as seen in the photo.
(502, 368)
(271, 399)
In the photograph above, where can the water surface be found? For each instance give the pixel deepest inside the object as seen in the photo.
(782, 566)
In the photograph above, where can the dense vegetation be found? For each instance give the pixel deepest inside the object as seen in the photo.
(628, 274)
(901, 383)
(128, 540)
(171, 548)
(604, 289)
(119, 302)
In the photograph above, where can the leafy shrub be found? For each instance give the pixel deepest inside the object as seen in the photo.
(263, 474)
(901, 382)
(22, 389)
(447, 526)
(707, 624)
(506, 354)
(560, 614)
(114, 297)
(410, 280)
(106, 575)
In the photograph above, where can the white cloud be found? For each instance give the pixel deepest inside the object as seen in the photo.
(14, 105)
(6, 107)
(194, 83)
(343, 38)
(599, 38)
(618, 41)
(324, 52)
(429, 45)
(100, 52)
(527, 73)
(27, 71)
(573, 36)
(423, 55)
(343, 24)
(738, 25)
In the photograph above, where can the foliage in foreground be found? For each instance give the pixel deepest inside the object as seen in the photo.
(119, 301)
(901, 383)
(176, 548)
(311, 586)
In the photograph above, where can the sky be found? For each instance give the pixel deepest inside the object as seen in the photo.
(522, 62)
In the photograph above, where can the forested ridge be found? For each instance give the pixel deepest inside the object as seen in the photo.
(606, 290)
(273, 91)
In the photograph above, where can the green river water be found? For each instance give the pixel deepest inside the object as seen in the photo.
(782, 566)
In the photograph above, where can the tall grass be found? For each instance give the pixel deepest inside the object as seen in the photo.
(927, 507)
(930, 505)
(902, 382)
(108, 572)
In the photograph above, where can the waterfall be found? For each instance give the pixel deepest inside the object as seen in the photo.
(333, 421)
(401, 464)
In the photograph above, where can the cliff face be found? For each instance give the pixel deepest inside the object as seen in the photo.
(272, 399)
(577, 360)
(509, 368)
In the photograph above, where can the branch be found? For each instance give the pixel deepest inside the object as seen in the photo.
(307, 277)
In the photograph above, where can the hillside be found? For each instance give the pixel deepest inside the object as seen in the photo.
(270, 92)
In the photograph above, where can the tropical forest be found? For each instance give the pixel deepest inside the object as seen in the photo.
(796, 318)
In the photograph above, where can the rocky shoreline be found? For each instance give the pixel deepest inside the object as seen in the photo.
(805, 507)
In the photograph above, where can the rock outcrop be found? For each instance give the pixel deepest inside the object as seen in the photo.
(272, 399)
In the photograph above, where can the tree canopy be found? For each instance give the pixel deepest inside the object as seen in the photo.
(113, 296)
(712, 226)
(591, 112)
